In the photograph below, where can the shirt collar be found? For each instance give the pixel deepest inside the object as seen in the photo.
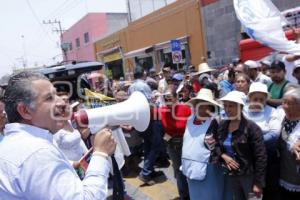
(29, 129)
(258, 77)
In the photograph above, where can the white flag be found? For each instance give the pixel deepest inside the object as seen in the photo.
(263, 22)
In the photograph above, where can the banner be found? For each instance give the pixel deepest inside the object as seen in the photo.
(263, 22)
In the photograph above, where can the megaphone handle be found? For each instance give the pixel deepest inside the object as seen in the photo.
(118, 185)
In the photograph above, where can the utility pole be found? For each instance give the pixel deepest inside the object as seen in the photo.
(129, 11)
(24, 59)
(63, 46)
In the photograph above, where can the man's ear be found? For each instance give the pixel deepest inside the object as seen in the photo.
(24, 111)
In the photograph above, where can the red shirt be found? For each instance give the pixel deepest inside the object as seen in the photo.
(174, 119)
(196, 86)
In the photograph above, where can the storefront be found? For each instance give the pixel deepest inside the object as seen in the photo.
(109, 51)
(149, 37)
(146, 41)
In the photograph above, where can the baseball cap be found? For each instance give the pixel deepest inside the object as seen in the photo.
(277, 65)
(178, 77)
(266, 62)
(251, 64)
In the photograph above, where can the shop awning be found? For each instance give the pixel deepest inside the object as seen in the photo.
(138, 52)
(112, 57)
(107, 51)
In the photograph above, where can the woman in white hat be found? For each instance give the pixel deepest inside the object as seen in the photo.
(268, 119)
(241, 147)
(205, 178)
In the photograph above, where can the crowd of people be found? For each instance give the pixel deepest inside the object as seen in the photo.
(230, 134)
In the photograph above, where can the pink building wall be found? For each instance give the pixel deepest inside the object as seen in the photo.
(96, 26)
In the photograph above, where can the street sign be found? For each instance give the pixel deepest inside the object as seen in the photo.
(177, 57)
(175, 45)
(176, 51)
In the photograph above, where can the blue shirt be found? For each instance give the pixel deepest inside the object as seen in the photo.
(33, 168)
(228, 146)
(225, 87)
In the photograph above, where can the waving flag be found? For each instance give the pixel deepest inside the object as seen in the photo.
(263, 22)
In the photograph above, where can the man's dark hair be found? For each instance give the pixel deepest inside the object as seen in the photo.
(138, 73)
(19, 90)
(231, 73)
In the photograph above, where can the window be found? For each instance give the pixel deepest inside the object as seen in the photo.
(70, 46)
(86, 37)
(77, 42)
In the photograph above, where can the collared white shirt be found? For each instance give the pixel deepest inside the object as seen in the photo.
(268, 120)
(33, 168)
(70, 143)
(289, 67)
(263, 79)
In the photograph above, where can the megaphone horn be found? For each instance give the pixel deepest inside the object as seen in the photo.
(135, 111)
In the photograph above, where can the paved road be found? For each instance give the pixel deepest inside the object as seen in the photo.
(164, 189)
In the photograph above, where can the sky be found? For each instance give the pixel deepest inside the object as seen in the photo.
(25, 39)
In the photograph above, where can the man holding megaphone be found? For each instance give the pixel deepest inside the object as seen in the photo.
(31, 166)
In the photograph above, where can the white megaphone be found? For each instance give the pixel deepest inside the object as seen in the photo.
(135, 111)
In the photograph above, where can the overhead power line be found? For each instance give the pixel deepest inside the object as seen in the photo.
(38, 20)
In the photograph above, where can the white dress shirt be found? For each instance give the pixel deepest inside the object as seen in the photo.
(263, 79)
(268, 120)
(70, 143)
(33, 168)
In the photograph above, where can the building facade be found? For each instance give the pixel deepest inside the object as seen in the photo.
(139, 8)
(146, 41)
(77, 41)
(207, 29)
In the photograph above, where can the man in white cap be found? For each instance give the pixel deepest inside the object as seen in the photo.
(296, 72)
(265, 64)
(254, 73)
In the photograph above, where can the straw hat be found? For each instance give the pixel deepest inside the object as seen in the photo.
(205, 95)
(236, 97)
(258, 87)
(203, 68)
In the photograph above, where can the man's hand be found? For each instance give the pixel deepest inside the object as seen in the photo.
(296, 150)
(257, 191)
(84, 132)
(297, 146)
(296, 34)
(104, 142)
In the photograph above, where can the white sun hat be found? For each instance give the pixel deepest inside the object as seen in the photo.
(236, 97)
(258, 87)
